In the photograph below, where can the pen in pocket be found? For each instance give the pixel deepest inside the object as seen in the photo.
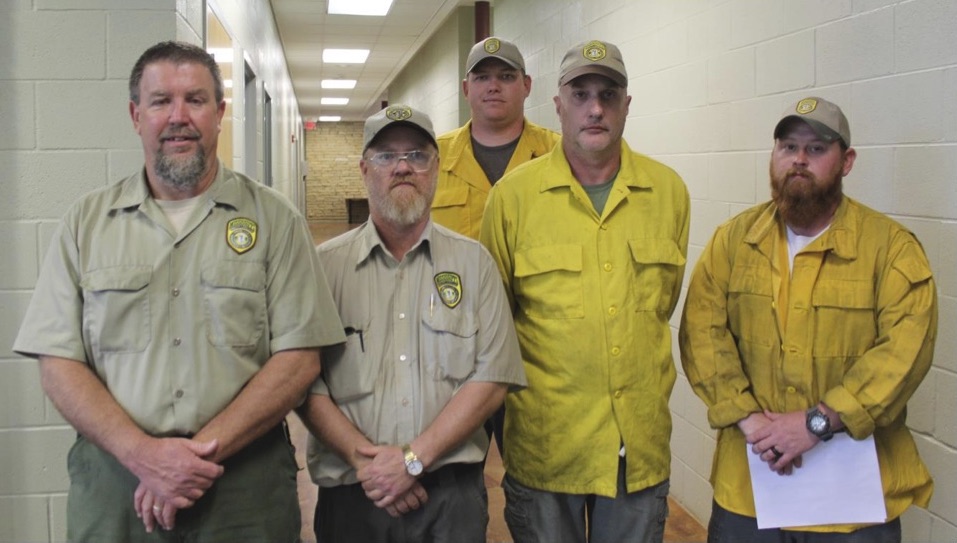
(350, 330)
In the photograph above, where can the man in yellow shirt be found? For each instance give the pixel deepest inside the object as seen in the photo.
(591, 242)
(808, 315)
(496, 139)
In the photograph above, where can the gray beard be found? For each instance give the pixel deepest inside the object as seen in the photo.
(181, 174)
(405, 213)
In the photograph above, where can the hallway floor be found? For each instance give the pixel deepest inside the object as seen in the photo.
(680, 527)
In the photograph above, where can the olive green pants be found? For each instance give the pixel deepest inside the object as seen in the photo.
(254, 500)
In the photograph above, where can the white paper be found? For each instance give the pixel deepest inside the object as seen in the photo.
(839, 483)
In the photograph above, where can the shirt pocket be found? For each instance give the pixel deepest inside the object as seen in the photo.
(349, 371)
(234, 299)
(447, 344)
(552, 277)
(845, 322)
(750, 313)
(116, 308)
(657, 264)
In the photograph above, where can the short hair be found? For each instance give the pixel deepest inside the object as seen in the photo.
(177, 52)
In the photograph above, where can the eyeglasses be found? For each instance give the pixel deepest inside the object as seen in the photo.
(419, 161)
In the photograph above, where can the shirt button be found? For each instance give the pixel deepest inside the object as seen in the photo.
(791, 390)
(402, 357)
(176, 342)
(405, 402)
(175, 292)
(612, 310)
(618, 394)
(401, 316)
(615, 351)
(607, 266)
(179, 394)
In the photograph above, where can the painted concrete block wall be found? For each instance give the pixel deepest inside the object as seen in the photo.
(710, 78)
(63, 106)
(432, 80)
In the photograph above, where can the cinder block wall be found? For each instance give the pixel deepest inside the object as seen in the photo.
(708, 81)
(333, 151)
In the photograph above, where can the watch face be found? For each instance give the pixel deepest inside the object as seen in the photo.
(819, 424)
(414, 467)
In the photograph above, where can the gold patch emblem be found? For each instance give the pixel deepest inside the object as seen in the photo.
(241, 234)
(398, 113)
(594, 51)
(492, 45)
(449, 285)
(806, 106)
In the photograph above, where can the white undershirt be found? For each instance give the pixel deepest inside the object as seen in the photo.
(796, 242)
(178, 211)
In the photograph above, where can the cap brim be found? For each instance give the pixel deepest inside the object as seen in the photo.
(394, 124)
(493, 57)
(598, 69)
(822, 130)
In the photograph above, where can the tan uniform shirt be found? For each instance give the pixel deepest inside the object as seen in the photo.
(175, 325)
(419, 330)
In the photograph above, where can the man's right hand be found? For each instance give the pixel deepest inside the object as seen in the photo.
(175, 470)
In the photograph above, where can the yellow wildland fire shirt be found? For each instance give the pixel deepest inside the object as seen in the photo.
(591, 297)
(861, 323)
(463, 186)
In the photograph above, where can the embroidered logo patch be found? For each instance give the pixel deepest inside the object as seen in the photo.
(241, 234)
(806, 106)
(398, 113)
(449, 285)
(492, 45)
(594, 51)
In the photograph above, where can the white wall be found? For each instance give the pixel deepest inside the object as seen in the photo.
(64, 66)
(710, 78)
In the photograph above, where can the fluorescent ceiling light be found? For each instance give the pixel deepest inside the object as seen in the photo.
(338, 83)
(359, 7)
(329, 118)
(333, 101)
(345, 56)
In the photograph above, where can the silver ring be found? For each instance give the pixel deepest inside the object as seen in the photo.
(157, 508)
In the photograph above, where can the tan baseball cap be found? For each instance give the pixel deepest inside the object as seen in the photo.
(392, 115)
(593, 57)
(493, 47)
(825, 118)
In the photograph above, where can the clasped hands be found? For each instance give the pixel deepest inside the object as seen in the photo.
(386, 481)
(779, 438)
(174, 473)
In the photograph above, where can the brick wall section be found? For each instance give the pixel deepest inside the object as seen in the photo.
(333, 151)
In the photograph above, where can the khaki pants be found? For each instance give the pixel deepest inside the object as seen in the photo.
(254, 500)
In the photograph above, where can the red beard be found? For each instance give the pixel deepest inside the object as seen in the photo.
(803, 201)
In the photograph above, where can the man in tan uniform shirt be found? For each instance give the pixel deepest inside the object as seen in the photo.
(176, 320)
(430, 353)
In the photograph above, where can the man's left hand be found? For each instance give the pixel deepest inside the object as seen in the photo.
(384, 479)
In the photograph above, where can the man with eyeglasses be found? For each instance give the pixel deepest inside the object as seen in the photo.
(396, 417)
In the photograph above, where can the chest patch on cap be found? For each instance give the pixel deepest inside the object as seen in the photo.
(806, 106)
(398, 113)
(492, 45)
(449, 286)
(594, 51)
(241, 234)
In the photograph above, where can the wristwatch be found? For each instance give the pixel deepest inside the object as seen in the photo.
(412, 463)
(818, 424)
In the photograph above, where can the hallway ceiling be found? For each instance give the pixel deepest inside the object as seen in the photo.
(306, 29)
